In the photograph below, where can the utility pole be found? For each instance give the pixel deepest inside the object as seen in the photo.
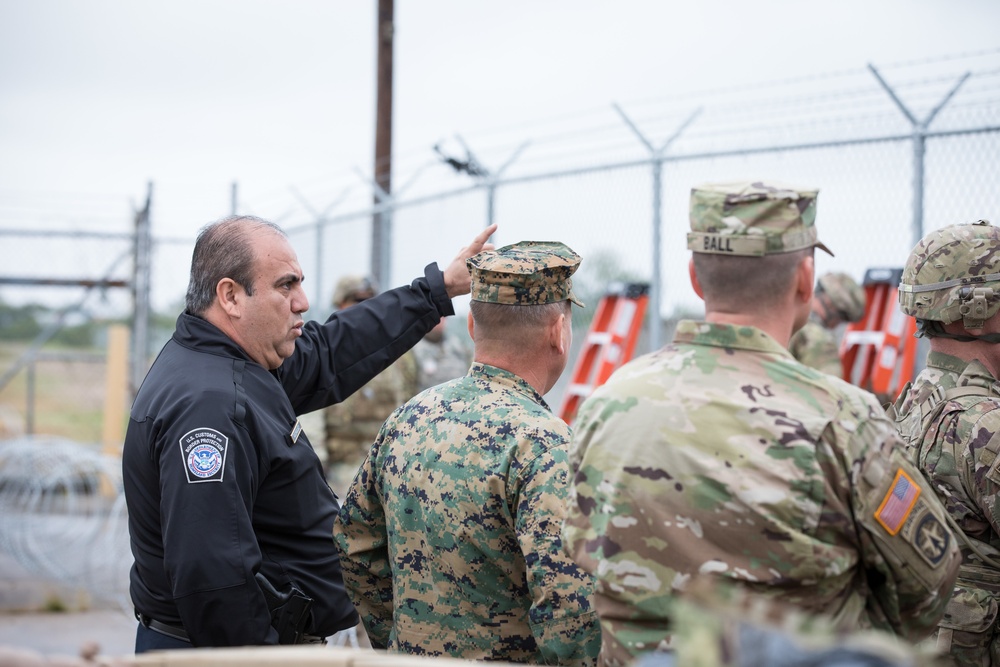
(141, 287)
(382, 218)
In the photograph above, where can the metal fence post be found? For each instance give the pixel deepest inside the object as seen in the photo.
(29, 398)
(919, 128)
(491, 178)
(657, 155)
(382, 268)
(321, 220)
(141, 292)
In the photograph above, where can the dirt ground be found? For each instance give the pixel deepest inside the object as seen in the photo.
(24, 623)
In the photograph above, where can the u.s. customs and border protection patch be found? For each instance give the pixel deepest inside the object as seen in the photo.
(203, 451)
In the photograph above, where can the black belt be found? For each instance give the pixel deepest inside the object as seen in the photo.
(172, 631)
(177, 632)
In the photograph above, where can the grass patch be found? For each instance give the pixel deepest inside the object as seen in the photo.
(68, 396)
(54, 605)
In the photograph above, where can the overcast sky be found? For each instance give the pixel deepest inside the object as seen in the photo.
(98, 97)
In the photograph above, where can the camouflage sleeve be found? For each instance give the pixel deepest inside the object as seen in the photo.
(410, 379)
(562, 617)
(980, 469)
(338, 416)
(909, 552)
(359, 531)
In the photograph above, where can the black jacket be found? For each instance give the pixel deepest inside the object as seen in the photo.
(219, 484)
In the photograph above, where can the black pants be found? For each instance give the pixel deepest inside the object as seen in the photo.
(151, 640)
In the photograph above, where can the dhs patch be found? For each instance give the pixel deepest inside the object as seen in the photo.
(203, 451)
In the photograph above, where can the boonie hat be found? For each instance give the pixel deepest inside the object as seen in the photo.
(524, 274)
(753, 218)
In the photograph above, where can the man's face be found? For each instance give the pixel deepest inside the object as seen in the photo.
(271, 318)
(436, 335)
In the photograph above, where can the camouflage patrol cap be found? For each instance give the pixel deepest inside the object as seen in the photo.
(524, 274)
(954, 273)
(847, 296)
(354, 288)
(752, 218)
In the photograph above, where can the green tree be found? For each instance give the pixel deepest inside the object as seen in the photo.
(19, 323)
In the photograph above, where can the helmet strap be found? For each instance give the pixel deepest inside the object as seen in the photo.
(933, 329)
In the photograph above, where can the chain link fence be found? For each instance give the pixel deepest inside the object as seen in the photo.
(895, 151)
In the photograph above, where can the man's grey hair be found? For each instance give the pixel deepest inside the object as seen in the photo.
(498, 321)
(223, 250)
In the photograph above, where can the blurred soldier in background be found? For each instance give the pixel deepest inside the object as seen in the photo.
(837, 299)
(950, 416)
(722, 455)
(352, 424)
(449, 535)
(720, 625)
(440, 357)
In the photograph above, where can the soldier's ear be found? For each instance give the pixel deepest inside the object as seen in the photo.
(694, 279)
(471, 324)
(556, 333)
(805, 280)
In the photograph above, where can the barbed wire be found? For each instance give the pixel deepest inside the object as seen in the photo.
(63, 516)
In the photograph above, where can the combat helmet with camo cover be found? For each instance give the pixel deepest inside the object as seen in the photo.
(953, 274)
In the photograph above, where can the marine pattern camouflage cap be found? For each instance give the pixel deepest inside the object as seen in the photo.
(847, 296)
(524, 274)
(954, 273)
(753, 218)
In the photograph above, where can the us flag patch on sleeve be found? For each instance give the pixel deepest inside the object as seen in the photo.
(898, 502)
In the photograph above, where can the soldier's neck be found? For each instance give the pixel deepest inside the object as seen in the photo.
(777, 325)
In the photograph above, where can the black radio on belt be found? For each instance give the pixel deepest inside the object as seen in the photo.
(289, 610)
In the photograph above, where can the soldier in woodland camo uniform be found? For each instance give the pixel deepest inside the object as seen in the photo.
(352, 424)
(722, 455)
(950, 416)
(838, 299)
(450, 535)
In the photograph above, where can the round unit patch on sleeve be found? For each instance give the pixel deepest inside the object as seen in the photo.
(203, 452)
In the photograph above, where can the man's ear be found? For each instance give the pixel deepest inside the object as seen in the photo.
(694, 280)
(471, 324)
(556, 333)
(230, 295)
(805, 280)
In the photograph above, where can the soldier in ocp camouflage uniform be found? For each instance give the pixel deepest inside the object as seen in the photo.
(450, 534)
(352, 424)
(716, 625)
(838, 299)
(440, 357)
(950, 416)
(721, 455)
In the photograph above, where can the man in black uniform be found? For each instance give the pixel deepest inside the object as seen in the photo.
(230, 517)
